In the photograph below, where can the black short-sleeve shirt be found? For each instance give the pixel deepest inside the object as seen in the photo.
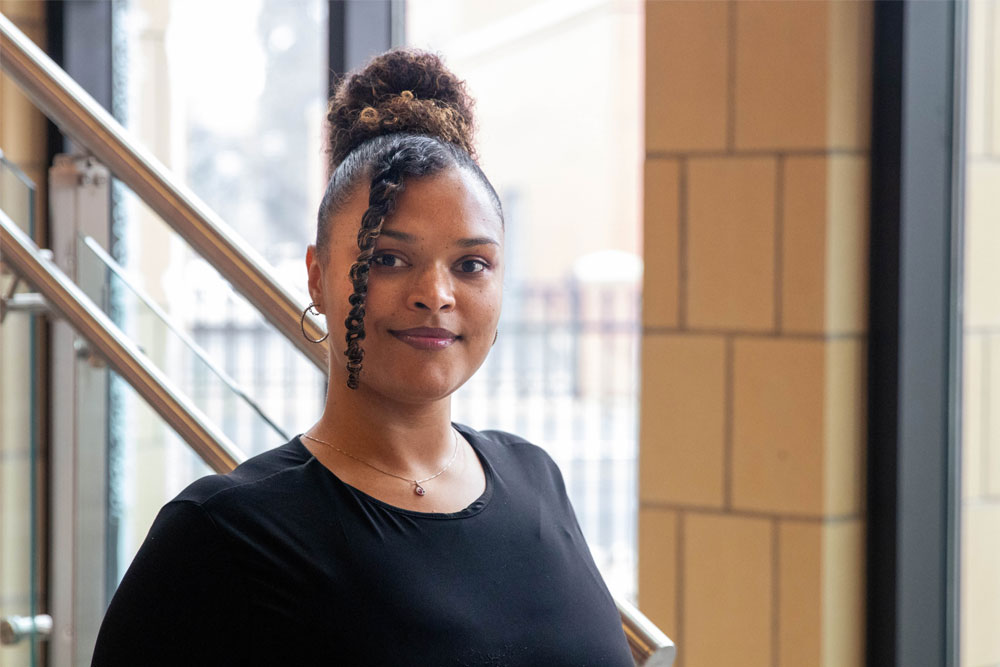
(281, 563)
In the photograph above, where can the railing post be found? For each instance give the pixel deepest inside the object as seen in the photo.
(78, 203)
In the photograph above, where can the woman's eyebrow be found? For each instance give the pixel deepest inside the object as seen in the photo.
(463, 243)
(477, 240)
(399, 236)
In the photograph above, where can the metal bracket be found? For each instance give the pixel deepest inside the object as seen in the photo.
(15, 628)
(26, 302)
(87, 353)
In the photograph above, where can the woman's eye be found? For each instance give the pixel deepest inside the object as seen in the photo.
(387, 260)
(472, 265)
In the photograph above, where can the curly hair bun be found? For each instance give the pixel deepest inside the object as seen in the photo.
(402, 90)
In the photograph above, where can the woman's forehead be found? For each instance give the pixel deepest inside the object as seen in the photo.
(452, 197)
(453, 193)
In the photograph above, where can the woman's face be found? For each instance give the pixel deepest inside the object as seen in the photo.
(434, 288)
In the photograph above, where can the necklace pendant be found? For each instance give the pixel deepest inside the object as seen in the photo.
(417, 489)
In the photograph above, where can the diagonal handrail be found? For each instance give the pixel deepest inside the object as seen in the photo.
(77, 114)
(81, 117)
(121, 353)
(650, 646)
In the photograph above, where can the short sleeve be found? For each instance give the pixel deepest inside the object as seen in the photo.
(177, 604)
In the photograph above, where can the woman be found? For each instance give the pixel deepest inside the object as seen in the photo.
(384, 534)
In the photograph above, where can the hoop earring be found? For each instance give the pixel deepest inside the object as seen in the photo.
(302, 324)
(495, 336)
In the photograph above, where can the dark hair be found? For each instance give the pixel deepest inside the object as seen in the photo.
(403, 115)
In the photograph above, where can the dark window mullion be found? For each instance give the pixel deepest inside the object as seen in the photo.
(914, 346)
(359, 29)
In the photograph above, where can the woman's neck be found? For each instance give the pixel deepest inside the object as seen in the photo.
(399, 436)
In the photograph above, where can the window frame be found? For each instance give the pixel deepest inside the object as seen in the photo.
(915, 341)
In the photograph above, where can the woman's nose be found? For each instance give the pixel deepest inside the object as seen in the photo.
(433, 290)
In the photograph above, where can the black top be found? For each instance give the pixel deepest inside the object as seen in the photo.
(281, 563)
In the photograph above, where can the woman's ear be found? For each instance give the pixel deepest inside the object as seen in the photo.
(315, 273)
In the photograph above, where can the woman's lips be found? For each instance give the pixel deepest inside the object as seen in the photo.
(426, 338)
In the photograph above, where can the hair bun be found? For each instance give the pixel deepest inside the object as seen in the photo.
(402, 90)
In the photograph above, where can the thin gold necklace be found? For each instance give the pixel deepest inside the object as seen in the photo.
(417, 488)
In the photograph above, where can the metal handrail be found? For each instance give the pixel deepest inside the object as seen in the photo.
(80, 116)
(650, 646)
(27, 261)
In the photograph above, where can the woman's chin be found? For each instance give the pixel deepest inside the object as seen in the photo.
(400, 388)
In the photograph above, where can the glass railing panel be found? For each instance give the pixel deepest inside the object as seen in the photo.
(17, 194)
(117, 497)
(208, 340)
(215, 348)
(191, 367)
(19, 455)
(212, 346)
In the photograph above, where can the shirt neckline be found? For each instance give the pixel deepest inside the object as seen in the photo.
(473, 508)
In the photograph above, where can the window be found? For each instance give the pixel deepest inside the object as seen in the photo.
(558, 100)
(231, 96)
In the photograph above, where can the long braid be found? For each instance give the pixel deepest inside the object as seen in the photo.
(386, 185)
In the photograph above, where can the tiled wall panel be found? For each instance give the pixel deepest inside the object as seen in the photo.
(658, 541)
(661, 230)
(753, 396)
(778, 409)
(782, 69)
(683, 425)
(687, 72)
(728, 590)
(730, 243)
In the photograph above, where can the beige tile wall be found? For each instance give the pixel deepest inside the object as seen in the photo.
(979, 612)
(23, 128)
(753, 361)
(23, 141)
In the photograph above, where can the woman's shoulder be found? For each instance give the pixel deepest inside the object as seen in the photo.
(511, 451)
(255, 475)
(501, 440)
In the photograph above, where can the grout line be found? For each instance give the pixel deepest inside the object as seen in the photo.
(679, 576)
(727, 411)
(779, 230)
(775, 591)
(731, 44)
(981, 330)
(987, 423)
(983, 500)
(784, 335)
(758, 152)
(991, 98)
(863, 84)
(30, 165)
(982, 158)
(750, 514)
(682, 244)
